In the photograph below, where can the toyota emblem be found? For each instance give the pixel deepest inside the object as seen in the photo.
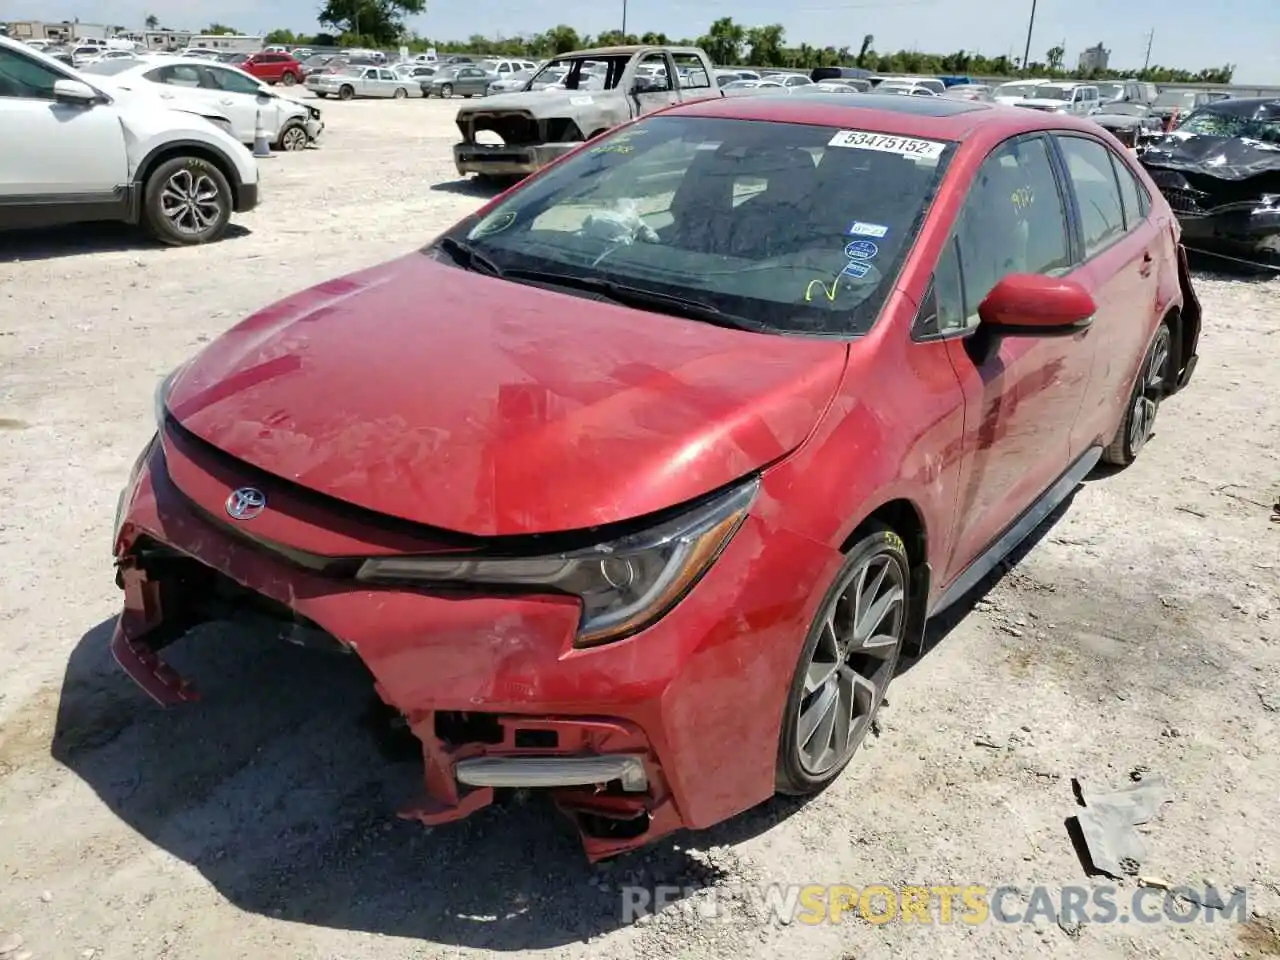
(246, 503)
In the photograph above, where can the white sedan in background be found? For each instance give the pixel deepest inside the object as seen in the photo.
(226, 95)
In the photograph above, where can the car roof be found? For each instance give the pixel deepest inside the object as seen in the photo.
(933, 117)
(623, 51)
(1252, 108)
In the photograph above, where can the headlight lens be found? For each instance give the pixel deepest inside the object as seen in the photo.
(624, 585)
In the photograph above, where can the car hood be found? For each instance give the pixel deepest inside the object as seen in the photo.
(1049, 106)
(548, 102)
(1226, 158)
(451, 399)
(1119, 120)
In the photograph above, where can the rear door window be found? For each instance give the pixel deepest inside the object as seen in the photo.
(1093, 178)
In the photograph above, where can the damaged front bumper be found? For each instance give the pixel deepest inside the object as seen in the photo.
(528, 143)
(1247, 230)
(629, 737)
(501, 160)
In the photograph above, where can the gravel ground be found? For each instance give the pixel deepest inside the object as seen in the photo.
(1139, 633)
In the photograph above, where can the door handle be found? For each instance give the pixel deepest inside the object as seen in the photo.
(1147, 260)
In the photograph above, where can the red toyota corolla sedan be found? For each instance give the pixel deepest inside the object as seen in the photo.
(635, 484)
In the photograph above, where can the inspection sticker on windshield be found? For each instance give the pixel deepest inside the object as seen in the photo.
(883, 143)
(860, 229)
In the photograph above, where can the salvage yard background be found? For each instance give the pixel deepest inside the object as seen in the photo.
(1141, 632)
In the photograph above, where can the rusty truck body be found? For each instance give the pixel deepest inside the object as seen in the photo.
(575, 97)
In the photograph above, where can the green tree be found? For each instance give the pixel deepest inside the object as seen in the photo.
(723, 41)
(152, 21)
(220, 30)
(764, 45)
(1053, 57)
(380, 22)
(655, 39)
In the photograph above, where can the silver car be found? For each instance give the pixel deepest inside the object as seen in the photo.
(363, 81)
(512, 83)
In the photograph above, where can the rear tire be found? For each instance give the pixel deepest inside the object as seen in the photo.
(187, 201)
(401, 93)
(322, 96)
(289, 79)
(346, 93)
(1144, 402)
(446, 91)
(845, 666)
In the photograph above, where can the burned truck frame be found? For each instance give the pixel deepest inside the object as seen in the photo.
(1220, 172)
(594, 91)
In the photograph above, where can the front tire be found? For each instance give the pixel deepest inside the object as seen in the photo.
(289, 79)
(1144, 402)
(187, 201)
(346, 93)
(401, 93)
(293, 137)
(846, 664)
(446, 91)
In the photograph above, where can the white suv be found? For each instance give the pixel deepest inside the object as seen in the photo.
(74, 154)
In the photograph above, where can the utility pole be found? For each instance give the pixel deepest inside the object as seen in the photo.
(1026, 55)
(624, 19)
(1147, 62)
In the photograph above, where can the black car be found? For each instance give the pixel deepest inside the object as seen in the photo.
(1220, 171)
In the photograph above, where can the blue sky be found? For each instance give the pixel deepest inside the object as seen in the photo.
(1243, 32)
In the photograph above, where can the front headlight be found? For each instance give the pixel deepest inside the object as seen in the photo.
(624, 585)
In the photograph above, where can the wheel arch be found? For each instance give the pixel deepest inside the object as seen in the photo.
(1179, 347)
(904, 517)
(186, 148)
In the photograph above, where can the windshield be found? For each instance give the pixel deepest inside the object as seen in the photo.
(1046, 91)
(577, 73)
(1211, 123)
(792, 228)
(1176, 98)
(109, 68)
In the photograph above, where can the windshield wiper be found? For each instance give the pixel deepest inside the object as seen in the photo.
(468, 256)
(640, 297)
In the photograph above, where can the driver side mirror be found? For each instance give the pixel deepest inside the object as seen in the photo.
(75, 92)
(1034, 305)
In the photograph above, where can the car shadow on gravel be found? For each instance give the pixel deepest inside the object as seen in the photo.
(475, 186)
(22, 246)
(276, 789)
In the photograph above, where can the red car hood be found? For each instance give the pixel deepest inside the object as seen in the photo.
(452, 399)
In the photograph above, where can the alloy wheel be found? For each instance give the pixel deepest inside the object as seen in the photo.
(289, 80)
(447, 90)
(863, 627)
(295, 138)
(190, 202)
(1146, 399)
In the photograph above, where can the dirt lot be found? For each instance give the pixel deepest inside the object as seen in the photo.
(1140, 632)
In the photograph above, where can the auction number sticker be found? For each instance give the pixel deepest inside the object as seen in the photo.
(884, 143)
